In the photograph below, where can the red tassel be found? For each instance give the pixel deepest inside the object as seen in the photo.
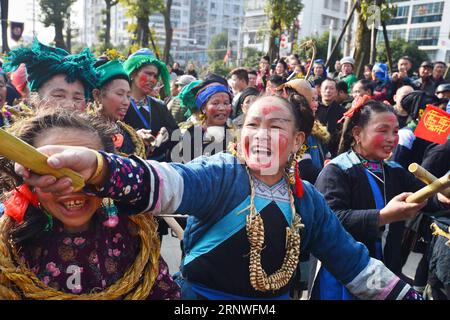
(17, 204)
(299, 191)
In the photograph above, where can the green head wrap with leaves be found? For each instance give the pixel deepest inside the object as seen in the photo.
(187, 97)
(111, 70)
(144, 57)
(44, 62)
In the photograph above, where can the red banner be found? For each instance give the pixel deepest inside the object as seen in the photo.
(434, 125)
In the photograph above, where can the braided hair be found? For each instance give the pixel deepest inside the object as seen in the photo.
(360, 118)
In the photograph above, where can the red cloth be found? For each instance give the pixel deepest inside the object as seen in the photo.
(17, 205)
(19, 78)
(434, 125)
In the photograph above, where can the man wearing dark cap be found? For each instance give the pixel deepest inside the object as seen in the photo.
(443, 91)
(425, 81)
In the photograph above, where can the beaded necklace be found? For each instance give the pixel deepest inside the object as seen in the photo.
(255, 234)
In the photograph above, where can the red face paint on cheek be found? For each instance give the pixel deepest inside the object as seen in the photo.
(143, 83)
(282, 144)
(378, 140)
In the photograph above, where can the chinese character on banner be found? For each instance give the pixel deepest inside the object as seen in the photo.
(16, 30)
(434, 125)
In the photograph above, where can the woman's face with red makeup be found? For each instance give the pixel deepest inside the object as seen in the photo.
(269, 136)
(146, 78)
(378, 138)
(217, 109)
(74, 210)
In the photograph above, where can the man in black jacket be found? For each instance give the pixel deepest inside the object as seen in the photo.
(329, 112)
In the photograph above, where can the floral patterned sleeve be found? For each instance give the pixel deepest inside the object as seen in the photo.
(127, 183)
(165, 288)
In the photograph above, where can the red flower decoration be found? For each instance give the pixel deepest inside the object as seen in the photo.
(356, 104)
(17, 205)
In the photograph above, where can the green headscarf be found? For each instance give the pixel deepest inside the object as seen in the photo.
(43, 62)
(144, 57)
(187, 97)
(111, 69)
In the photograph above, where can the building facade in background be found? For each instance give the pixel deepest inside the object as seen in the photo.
(426, 22)
(315, 19)
(194, 22)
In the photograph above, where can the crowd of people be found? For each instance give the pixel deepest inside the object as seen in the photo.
(292, 177)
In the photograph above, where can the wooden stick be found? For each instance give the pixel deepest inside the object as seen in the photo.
(424, 175)
(430, 190)
(21, 152)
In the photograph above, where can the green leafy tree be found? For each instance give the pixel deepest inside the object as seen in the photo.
(252, 57)
(55, 13)
(368, 11)
(165, 8)
(141, 11)
(401, 47)
(282, 14)
(217, 47)
(219, 67)
(107, 30)
(321, 47)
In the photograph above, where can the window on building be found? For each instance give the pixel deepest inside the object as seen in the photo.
(400, 16)
(336, 5)
(392, 35)
(175, 14)
(428, 12)
(424, 36)
(327, 19)
(431, 54)
(327, 4)
(251, 37)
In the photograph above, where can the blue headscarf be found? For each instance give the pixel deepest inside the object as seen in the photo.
(322, 63)
(381, 71)
(206, 93)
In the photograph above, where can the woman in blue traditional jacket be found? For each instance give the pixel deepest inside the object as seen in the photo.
(249, 217)
(368, 193)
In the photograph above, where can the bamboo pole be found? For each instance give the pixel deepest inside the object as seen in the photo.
(21, 152)
(341, 35)
(425, 176)
(430, 190)
(388, 46)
